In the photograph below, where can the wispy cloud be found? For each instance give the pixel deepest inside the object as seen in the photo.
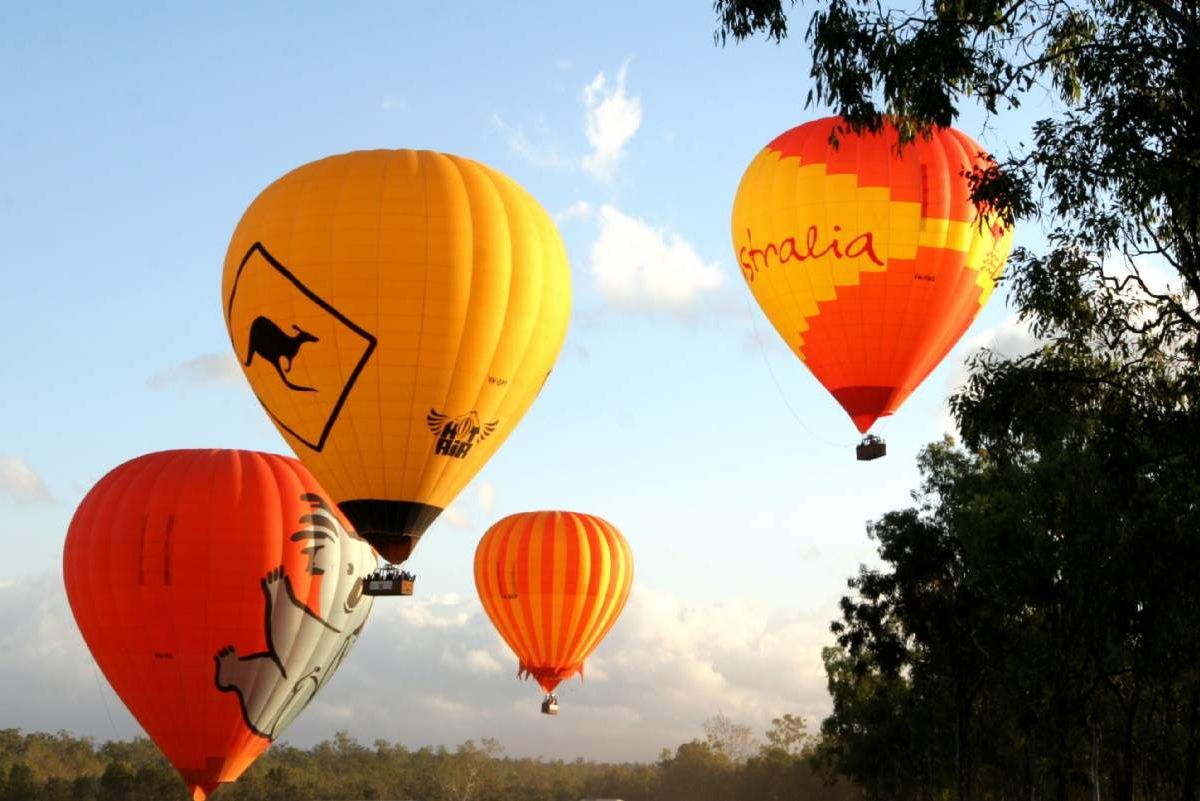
(579, 210)
(613, 117)
(639, 266)
(211, 368)
(21, 483)
(543, 153)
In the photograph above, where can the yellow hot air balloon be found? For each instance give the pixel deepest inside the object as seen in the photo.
(396, 313)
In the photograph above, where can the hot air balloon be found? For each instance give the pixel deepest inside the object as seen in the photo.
(553, 584)
(218, 591)
(870, 260)
(396, 313)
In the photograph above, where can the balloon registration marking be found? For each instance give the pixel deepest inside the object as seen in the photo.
(283, 366)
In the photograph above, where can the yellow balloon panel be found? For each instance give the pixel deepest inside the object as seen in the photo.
(396, 313)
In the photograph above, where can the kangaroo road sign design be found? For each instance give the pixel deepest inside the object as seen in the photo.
(269, 341)
(290, 342)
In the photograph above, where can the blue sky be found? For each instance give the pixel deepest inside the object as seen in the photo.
(131, 141)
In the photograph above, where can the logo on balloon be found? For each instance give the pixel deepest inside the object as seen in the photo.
(457, 435)
(291, 342)
(275, 685)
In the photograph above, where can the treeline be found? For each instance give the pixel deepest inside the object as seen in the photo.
(727, 765)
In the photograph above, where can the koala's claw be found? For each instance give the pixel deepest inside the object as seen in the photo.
(226, 660)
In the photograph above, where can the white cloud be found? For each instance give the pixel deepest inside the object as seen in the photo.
(432, 670)
(637, 265)
(477, 661)
(211, 368)
(612, 119)
(48, 679)
(456, 517)
(579, 210)
(487, 496)
(19, 481)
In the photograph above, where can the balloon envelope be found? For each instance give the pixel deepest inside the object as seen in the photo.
(553, 584)
(218, 591)
(869, 260)
(396, 313)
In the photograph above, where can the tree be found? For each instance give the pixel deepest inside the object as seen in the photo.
(463, 775)
(20, 784)
(116, 783)
(1085, 447)
(695, 772)
(788, 734)
(733, 741)
(1033, 601)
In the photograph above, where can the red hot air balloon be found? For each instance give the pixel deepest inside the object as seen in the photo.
(218, 591)
(869, 259)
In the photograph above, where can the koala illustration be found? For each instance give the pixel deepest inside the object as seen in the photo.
(304, 648)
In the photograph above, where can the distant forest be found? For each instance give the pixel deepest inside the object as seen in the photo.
(728, 764)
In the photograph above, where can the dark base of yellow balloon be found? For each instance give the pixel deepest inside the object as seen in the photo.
(392, 527)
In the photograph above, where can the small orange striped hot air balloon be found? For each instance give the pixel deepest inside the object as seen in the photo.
(218, 591)
(553, 584)
(870, 260)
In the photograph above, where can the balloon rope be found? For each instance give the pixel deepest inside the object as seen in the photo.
(779, 387)
(103, 700)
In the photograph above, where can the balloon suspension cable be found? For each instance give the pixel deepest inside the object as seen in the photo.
(103, 700)
(779, 387)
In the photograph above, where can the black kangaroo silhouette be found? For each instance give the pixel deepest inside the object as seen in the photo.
(269, 341)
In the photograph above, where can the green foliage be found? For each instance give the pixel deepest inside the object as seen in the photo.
(1033, 632)
(741, 19)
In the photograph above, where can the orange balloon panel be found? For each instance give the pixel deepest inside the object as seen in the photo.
(218, 591)
(396, 313)
(553, 584)
(869, 261)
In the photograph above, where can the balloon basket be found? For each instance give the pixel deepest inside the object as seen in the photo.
(871, 447)
(550, 705)
(389, 580)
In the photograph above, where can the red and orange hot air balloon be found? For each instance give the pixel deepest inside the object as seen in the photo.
(553, 584)
(218, 591)
(869, 259)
